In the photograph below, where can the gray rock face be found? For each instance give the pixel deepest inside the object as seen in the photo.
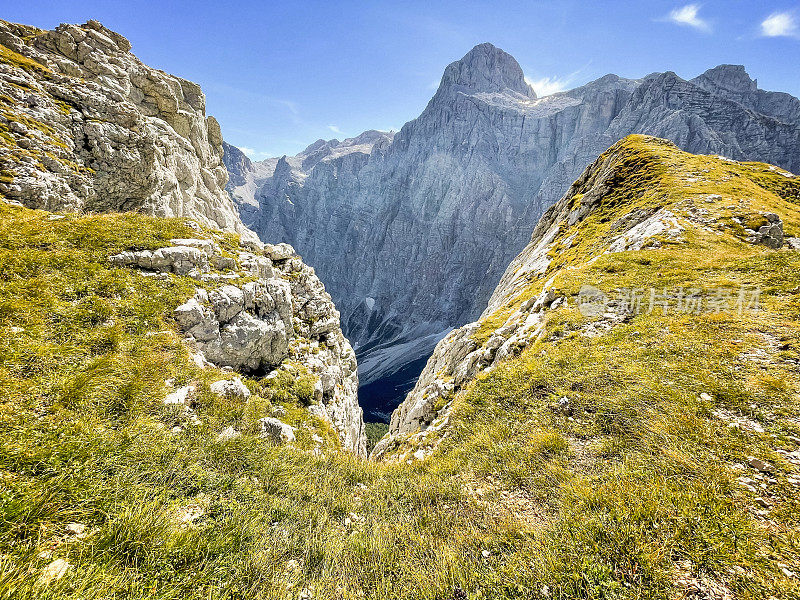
(237, 165)
(770, 235)
(230, 387)
(282, 318)
(458, 358)
(92, 128)
(412, 233)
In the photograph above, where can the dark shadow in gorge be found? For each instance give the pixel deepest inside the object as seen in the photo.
(379, 398)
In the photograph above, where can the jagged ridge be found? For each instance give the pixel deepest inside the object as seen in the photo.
(85, 126)
(404, 221)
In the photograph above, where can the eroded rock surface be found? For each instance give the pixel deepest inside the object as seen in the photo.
(262, 310)
(84, 125)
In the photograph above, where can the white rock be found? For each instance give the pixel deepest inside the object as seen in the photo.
(233, 388)
(210, 247)
(276, 430)
(54, 571)
(76, 529)
(179, 396)
(229, 433)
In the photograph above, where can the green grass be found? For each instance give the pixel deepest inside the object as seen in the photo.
(374, 432)
(16, 59)
(518, 500)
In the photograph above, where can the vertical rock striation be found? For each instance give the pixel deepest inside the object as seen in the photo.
(411, 232)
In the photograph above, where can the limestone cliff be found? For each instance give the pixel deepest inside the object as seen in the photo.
(85, 126)
(412, 233)
(643, 196)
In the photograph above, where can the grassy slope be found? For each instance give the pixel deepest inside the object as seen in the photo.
(602, 504)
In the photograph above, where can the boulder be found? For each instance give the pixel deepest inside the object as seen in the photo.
(232, 388)
(249, 342)
(179, 396)
(54, 571)
(175, 259)
(229, 433)
(278, 251)
(276, 430)
(227, 302)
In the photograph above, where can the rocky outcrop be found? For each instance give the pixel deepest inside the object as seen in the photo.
(257, 311)
(516, 312)
(84, 125)
(412, 234)
(276, 430)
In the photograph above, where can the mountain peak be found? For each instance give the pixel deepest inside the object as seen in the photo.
(487, 68)
(733, 78)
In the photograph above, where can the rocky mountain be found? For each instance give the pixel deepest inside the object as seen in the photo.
(411, 233)
(87, 128)
(178, 409)
(607, 211)
(84, 125)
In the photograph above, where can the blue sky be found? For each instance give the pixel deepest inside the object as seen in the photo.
(279, 75)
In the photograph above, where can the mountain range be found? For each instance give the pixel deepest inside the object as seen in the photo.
(179, 405)
(411, 231)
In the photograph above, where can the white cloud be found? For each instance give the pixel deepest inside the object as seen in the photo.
(779, 24)
(689, 16)
(254, 154)
(334, 129)
(548, 85)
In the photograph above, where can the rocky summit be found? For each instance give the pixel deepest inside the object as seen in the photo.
(411, 231)
(85, 126)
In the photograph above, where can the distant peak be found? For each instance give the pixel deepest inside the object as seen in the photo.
(487, 68)
(733, 78)
(318, 145)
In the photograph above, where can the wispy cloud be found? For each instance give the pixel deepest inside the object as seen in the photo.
(334, 129)
(779, 24)
(688, 16)
(242, 95)
(544, 86)
(548, 85)
(254, 154)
